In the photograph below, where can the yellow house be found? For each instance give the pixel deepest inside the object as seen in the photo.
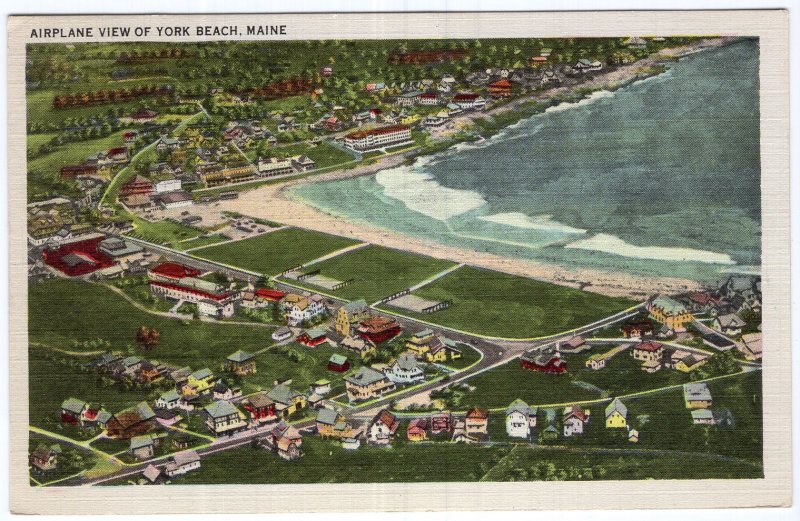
(442, 350)
(202, 381)
(690, 363)
(669, 312)
(420, 343)
(616, 415)
(367, 383)
(350, 315)
(410, 119)
(287, 401)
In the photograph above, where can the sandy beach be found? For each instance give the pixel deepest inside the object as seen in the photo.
(274, 202)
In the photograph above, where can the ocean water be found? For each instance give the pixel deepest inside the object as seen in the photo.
(661, 177)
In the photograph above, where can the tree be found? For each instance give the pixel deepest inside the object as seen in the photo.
(147, 338)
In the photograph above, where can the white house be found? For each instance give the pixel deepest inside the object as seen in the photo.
(520, 419)
(382, 428)
(168, 185)
(306, 308)
(216, 308)
(575, 419)
(168, 400)
(405, 370)
(182, 462)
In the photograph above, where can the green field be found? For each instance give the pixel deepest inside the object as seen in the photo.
(62, 312)
(168, 233)
(378, 272)
(496, 304)
(275, 252)
(327, 462)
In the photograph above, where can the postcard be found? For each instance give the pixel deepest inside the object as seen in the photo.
(428, 261)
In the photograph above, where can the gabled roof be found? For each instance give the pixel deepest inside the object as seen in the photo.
(338, 359)
(616, 406)
(170, 396)
(365, 376)
(221, 409)
(356, 306)
(240, 356)
(388, 419)
(478, 413)
(282, 394)
(519, 406)
(74, 405)
(259, 400)
(186, 457)
(327, 416)
(696, 391)
(201, 374)
(151, 473)
(138, 442)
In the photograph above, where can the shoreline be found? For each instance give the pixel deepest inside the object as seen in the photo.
(284, 207)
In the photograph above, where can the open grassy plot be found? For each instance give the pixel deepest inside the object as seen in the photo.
(201, 241)
(72, 460)
(275, 252)
(497, 304)
(377, 272)
(469, 356)
(63, 311)
(165, 232)
(55, 377)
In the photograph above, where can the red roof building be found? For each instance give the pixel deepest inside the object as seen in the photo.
(379, 329)
(118, 153)
(312, 338)
(72, 171)
(137, 185)
(366, 140)
(500, 89)
(78, 258)
(272, 295)
(144, 115)
(544, 360)
(174, 271)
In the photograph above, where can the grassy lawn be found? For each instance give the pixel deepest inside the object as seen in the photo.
(138, 289)
(468, 357)
(71, 461)
(165, 232)
(378, 272)
(275, 252)
(323, 154)
(497, 304)
(55, 377)
(201, 241)
(63, 311)
(35, 141)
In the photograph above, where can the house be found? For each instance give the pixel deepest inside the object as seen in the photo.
(690, 362)
(144, 115)
(428, 98)
(223, 418)
(417, 430)
(72, 411)
(633, 436)
(222, 391)
(440, 422)
(167, 418)
(476, 421)
(702, 417)
(500, 88)
(321, 387)
(575, 419)
(176, 199)
(407, 99)
(648, 352)
(729, 324)
(378, 138)
(302, 309)
(143, 447)
(260, 407)
(420, 343)
(168, 400)
(338, 363)
(332, 424)
(200, 382)
(586, 65)
(285, 441)
(546, 359)
(120, 250)
(669, 312)
(363, 346)
(45, 457)
(520, 420)
(616, 415)
(137, 186)
(350, 315)
(152, 474)
(441, 350)
(405, 370)
(718, 342)
(575, 344)
(696, 395)
(367, 383)
(636, 330)
(182, 462)
(287, 400)
(750, 346)
(312, 337)
(379, 329)
(468, 100)
(550, 433)
(382, 428)
(281, 334)
(351, 443)
(241, 363)
(134, 421)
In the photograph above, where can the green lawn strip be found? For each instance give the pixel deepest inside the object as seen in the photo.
(469, 357)
(501, 305)
(275, 252)
(377, 272)
(165, 232)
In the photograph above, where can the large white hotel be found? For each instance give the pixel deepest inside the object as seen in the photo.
(377, 138)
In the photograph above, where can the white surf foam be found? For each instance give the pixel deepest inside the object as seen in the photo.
(421, 193)
(614, 245)
(591, 98)
(539, 222)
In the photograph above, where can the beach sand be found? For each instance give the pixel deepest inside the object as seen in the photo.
(274, 202)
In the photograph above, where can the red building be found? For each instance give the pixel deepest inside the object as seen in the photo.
(500, 89)
(379, 329)
(545, 360)
(312, 337)
(173, 280)
(338, 363)
(118, 153)
(78, 258)
(137, 185)
(637, 329)
(144, 115)
(260, 407)
(272, 295)
(72, 171)
(441, 422)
